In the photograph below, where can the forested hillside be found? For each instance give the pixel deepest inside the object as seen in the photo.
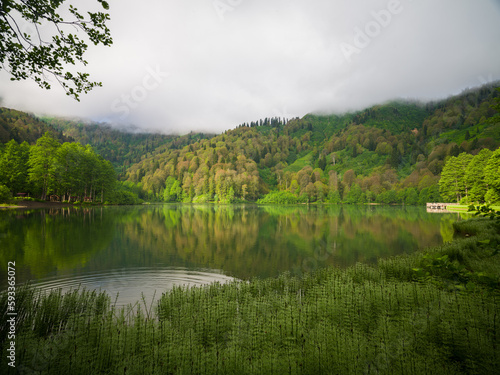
(388, 153)
(70, 160)
(21, 127)
(122, 147)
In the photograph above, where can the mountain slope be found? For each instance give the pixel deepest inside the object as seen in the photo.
(389, 147)
(122, 147)
(21, 126)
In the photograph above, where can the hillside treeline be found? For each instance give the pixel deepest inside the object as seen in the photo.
(122, 147)
(24, 127)
(392, 153)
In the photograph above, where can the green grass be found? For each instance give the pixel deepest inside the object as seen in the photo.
(9, 205)
(362, 165)
(300, 163)
(434, 312)
(466, 208)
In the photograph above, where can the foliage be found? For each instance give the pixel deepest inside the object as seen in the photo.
(122, 195)
(477, 175)
(310, 157)
(23, 127)
(485, 211)
(122, 147)
(453, 182)
(13, 173)
(5, 194)
(279, 197)
(69, 172)
(41, 160)
(389, 153)
(27, 54)
(492, 171)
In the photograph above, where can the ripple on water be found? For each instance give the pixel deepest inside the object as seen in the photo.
(127, 285)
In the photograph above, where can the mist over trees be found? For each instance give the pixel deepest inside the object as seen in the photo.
(394, 153)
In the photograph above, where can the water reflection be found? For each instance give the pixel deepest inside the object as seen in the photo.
(129, 285)
(163, 243)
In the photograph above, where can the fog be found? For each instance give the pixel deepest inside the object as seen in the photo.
(178, 66)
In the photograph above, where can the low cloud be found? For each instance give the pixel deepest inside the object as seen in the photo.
(211, 65)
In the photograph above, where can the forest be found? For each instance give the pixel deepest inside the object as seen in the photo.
(67, 172)
(393, 153)
(470, 179)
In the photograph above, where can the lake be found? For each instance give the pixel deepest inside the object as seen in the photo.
(148, 249)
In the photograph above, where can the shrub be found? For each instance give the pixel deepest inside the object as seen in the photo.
(204, 198)
(4, 194)
(123, 197)
(279, 197)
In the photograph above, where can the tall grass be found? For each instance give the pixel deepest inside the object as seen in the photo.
(407, 315)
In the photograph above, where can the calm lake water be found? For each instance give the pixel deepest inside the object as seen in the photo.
(143, 249)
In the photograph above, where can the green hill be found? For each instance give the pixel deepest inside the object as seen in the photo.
(379, 154)
(21, 126)
(390, 147)
(122, 147)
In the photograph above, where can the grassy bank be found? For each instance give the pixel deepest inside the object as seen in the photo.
(435, 311)
(466, 208)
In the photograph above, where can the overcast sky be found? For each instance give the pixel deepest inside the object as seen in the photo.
(209, 65)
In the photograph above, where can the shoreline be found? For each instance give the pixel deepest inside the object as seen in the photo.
(36, 205)
(464, 208)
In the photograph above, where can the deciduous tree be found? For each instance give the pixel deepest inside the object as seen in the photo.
(453, 184)
(41, 161)
(13, 160)
(38, 38)
(475, 175)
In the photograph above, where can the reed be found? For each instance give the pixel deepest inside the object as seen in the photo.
(380, 319)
